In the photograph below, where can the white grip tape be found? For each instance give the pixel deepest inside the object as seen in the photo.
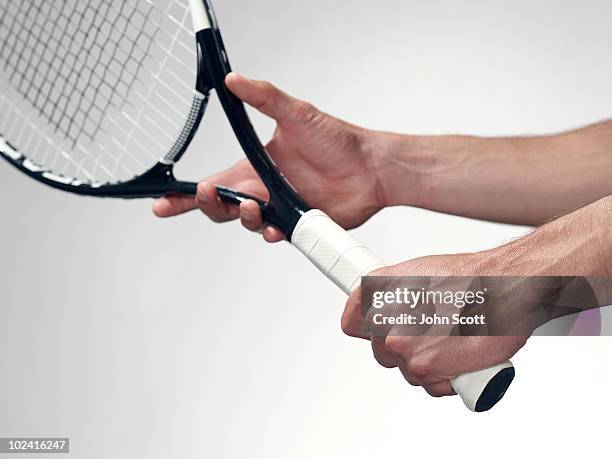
(331, 249)
(344, 260)
(198, 13)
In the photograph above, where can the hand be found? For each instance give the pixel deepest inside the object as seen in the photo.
(576, 244)
(326, 159)
(433, 361)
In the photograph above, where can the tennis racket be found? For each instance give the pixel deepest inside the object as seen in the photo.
(102, 98)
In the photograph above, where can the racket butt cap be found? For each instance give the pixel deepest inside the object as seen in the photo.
(481, 390)
(495, 390)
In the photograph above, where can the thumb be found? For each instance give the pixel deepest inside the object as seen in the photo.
(264, 96)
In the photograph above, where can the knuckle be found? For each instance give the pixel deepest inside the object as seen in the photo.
(386, 363)
(347, 324)
(408, 377)
(381, 354)
(267, 86)
(395, 344)
(202, 200)
(435, 392)
(420, 367)
(438, 390)
(383, 360)
(305, 111)
(351, 319)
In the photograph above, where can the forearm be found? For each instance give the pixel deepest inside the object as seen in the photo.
(516, 180)
(577, 248)
(577, 244)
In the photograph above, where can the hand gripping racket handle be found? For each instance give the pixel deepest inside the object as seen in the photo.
(344, 260)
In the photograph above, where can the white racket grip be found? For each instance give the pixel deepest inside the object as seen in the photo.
(334, 251)
(344, 260)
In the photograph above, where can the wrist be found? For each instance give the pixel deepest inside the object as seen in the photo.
(402, 166)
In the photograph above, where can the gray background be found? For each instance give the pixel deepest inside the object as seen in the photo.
(144, 338)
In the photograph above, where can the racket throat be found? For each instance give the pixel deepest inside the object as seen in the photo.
(284, 217)
(156, 182)
(159, 181)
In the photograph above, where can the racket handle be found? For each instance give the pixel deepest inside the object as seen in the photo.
(344, 260)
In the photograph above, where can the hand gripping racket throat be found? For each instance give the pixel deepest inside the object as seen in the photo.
(92, 92)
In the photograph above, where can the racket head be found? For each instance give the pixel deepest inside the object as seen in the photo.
(108, 95)
(100, 98)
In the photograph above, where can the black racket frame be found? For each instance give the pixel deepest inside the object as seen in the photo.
(284, 208)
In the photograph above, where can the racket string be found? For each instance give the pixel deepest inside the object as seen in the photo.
(109, 84)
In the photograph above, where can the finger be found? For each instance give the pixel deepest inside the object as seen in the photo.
(241, 177)
(250, 216)
(251, 219)
(408, 377)
(209, 202)
(262, 95)
(273, 235)
(169, 206)
(382, 355)
(441, 389)
(351, 322)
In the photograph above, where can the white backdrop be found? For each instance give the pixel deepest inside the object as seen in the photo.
(145, 338)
